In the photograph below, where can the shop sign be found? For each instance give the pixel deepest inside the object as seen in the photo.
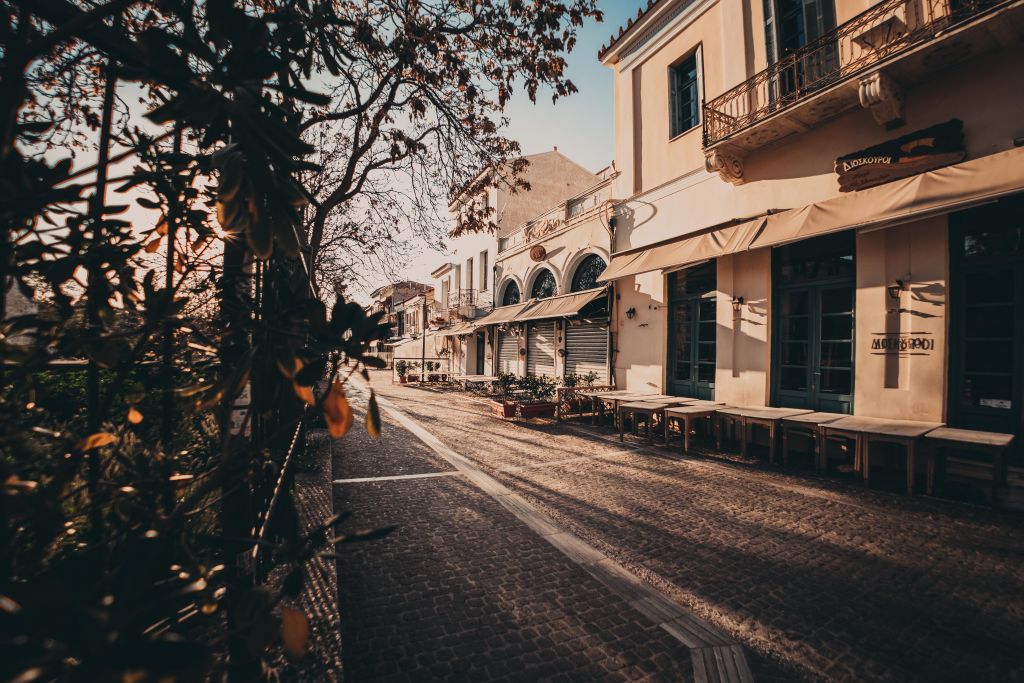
(924, 150)
(915, 344)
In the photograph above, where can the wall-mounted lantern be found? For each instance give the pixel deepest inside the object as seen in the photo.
(631, 313)
(737, 304)
(895, 288)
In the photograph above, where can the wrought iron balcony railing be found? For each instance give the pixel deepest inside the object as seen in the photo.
(888, 28)
(470, 297)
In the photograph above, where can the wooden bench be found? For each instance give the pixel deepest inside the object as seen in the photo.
(809, 425)
(684, 415)
(757, 417)
(993, 444)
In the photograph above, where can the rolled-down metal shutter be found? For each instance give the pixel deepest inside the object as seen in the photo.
(586, 349)
(540, 349)
(508, 353)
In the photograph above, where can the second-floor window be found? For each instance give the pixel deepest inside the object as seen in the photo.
(684, 96)
(469, 273)
(483, 271)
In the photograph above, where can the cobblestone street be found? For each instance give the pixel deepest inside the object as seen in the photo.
(816, 579)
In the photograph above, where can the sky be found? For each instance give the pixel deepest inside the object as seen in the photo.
(579, 125)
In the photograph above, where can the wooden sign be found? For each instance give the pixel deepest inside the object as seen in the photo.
(931, 148)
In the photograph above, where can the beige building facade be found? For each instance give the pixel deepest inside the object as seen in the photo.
(823, 206)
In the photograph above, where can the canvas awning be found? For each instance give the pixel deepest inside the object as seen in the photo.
(932, 192)
(560, 306)
(503, 314)
(457, 329)
(684, 250)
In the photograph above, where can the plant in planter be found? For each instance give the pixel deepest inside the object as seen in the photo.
(414, 371)
(432, 368)
(402, 368)
(503, 403)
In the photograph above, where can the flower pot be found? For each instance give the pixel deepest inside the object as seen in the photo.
(403, 379)
(503, 409)
(530, 410)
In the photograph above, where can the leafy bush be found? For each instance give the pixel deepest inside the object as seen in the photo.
(402, 368)
(573, 379)
(537, 389)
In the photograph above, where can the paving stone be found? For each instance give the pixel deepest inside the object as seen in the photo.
(839, 582)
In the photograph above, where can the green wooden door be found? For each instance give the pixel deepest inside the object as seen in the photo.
(692, 332)
(987, 318)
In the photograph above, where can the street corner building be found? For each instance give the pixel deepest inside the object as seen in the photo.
(821, 206)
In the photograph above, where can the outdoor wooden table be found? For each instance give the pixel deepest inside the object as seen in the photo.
(635, 409)
(602, 398)
(685, 414)
(990, 443)
(864, 431)
(598, 398)
(763, 417)
(808, 424)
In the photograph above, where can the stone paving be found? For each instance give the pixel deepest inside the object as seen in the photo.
(837, 582)
(463, 591)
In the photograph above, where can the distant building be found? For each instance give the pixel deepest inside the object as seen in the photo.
(390, 299)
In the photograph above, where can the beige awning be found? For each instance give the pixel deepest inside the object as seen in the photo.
(931, 192)
(684, 250)
(560, 306)
(504, 314)
(457, 329)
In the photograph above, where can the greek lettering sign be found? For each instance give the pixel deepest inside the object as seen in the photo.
(924, 150)
(912, 344)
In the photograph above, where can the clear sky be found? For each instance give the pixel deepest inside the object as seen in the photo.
(580, 125)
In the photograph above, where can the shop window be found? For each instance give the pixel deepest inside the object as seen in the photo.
(544, 285)
(511, 295)
(587, 273)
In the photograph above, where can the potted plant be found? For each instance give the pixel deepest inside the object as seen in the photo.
(402, 368)
(432, 368)
(536, 397)
(414, 374)
(502, 404)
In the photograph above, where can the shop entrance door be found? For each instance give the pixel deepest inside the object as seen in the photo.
(692, 332)
(987, 318)
(481, 345)
(813, 334)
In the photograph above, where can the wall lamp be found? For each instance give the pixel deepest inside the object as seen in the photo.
(895, 288)
(737, 304)
(631, 313)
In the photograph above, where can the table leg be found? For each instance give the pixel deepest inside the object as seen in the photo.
(771, 442)
(622, 426)
(686, 435)
(743, 437)
(665, 425)
(910, 447)
(716, 425)
(785, 446)
(650, 429)
(865, 462)
(818, 444)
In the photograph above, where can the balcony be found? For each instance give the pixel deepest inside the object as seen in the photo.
(865, 62)
(466, 304)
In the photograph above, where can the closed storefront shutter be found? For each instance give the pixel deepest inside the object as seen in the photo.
(586, 350)
(540, 349)
(508, 353)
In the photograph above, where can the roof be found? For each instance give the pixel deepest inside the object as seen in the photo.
(627, 29)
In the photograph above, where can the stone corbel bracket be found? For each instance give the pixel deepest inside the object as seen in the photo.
(727, 163)
(883, 97)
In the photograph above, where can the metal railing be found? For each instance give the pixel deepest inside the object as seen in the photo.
(888, 28)
(478, 298)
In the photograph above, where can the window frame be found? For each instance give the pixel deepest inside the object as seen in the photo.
(698, 85)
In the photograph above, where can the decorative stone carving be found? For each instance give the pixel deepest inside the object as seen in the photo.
(883, 97)
(726, 163)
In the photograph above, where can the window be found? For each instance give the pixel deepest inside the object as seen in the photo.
(544, 286)
(684, 99)
(587, 272)
(469, 274)
(511, 294)
(483, 270)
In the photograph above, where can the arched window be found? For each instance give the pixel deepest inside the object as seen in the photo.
(586, 273)
(511, 294)
(544, 285)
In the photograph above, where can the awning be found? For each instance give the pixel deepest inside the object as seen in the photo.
(504, 314)
(560, 306)
(396, 341)
(684, 250)
(932, 192)
(457, 329)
